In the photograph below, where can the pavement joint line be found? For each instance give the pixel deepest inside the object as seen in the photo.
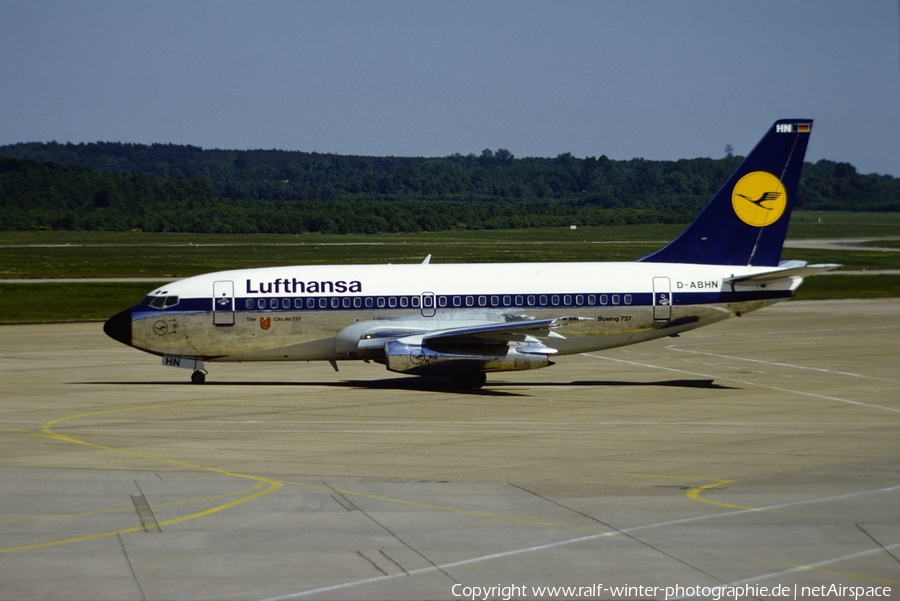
(876, 541)
(131, 567)
(649, 543)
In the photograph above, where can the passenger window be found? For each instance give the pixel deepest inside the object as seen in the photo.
(530, 300)
(627, 299)
(507, 301)
(249, 303)
(357, 302)
(604, 300)
(323, 303)
(415, 302)
(381, 302)
(457, 301)
(261, 303)
(442, 301)
(615, 299)
(273, 303)
(310, 303)
(554, 300)
(495, 300)
(392, 301)
(470, 301)
(369, 302)
(579, 299)
(404, 302)
(298, 303)
(592, 300)
(482, 301)
(543, 300)
(519, 300)
(345, 302)
(285, 303)
(335, 303)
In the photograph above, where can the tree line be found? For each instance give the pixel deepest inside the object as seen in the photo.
(163, 187)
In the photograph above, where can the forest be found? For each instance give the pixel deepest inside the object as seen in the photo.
(176, 188)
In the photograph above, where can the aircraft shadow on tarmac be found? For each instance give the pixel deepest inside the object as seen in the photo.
(444, 385)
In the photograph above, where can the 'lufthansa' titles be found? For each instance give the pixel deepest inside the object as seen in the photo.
(295, 286)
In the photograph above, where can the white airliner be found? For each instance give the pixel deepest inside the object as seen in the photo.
(464, 320)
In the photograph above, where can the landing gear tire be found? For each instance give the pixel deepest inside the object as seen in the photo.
(198, 377)
(472, 381)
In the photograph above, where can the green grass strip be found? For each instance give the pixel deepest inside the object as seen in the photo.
(36, 303)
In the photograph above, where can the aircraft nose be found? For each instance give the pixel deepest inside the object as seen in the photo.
(118, 327)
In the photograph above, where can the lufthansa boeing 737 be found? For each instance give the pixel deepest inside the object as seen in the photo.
(465, 320)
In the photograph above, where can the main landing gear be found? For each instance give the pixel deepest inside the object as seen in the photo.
(198, 377)
(471, 380)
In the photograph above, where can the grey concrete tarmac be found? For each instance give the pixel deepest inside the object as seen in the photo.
(759, 452)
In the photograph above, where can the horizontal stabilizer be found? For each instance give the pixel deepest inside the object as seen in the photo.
(788, 270)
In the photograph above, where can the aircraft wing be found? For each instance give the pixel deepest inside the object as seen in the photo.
(515, 330)
(787, 270)
(523, 331)
(474, 349)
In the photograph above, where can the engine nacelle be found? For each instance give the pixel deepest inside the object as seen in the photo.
(425, 360)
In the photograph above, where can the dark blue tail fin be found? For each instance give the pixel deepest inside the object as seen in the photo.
(746, 221)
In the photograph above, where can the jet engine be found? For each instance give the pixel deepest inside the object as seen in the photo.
(431, 359)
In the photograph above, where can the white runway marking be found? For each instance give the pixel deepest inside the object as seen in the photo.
(818, 564)
(672, 347)
(744, 382)
(591, 537)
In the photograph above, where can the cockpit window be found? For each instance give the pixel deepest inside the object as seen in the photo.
(160, 302)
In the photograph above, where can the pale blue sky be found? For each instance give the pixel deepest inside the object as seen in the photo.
(659, 80)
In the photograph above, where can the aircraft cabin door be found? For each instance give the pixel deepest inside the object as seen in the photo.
(223, 303)
(428, 306)
(662, 299)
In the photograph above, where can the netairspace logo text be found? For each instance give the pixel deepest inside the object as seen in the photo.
(716, 593)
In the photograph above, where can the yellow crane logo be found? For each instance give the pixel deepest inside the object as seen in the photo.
(759, 199)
